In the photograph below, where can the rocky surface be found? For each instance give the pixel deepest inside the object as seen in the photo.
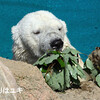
(7, 83)
(95, 57)
(30, 79)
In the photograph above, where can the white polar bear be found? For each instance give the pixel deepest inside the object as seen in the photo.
(36, 33)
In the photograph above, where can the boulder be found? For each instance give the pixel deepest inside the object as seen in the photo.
(30, 80)
(33, 86)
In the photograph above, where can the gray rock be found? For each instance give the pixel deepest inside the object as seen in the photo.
(30, 79)
(7, 84)
(95, 57)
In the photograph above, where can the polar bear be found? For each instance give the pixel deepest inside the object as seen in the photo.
(36, 33)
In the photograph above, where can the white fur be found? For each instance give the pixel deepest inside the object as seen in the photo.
(28, 46)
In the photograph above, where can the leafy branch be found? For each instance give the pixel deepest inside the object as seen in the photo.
(61, 70)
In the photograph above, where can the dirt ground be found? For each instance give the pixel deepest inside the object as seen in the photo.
(34, 87)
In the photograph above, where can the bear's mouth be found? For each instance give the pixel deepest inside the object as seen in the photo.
(54, 45)
(57, 44)
(50, 49)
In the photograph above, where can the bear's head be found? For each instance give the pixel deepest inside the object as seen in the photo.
(40, 31)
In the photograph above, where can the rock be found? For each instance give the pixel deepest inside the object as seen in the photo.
(87, 91)
(95, 57)
(30, 79)
(7, 83)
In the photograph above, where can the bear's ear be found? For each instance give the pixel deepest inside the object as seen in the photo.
(64, 25)
(14, 30)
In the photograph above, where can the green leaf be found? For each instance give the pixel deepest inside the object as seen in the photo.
(42, 57)
(66, 50)
(61, 62)
(74, 51)
(98, 79)
(67, 72)
(72, 71)
(89, 64)
(66, 58)
(41, 62)
(51, 58)
(67, 78)
(36, 63)
(74, 59)
(47, 77)
(80, 71)
(47, 60)
(56, 81)
(43, 70)
(94, 73)
(55, 52)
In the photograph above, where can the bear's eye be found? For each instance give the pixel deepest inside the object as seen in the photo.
(60, 29)
(38, 32)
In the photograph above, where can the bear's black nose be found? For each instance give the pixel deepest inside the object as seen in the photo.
(57, 44)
